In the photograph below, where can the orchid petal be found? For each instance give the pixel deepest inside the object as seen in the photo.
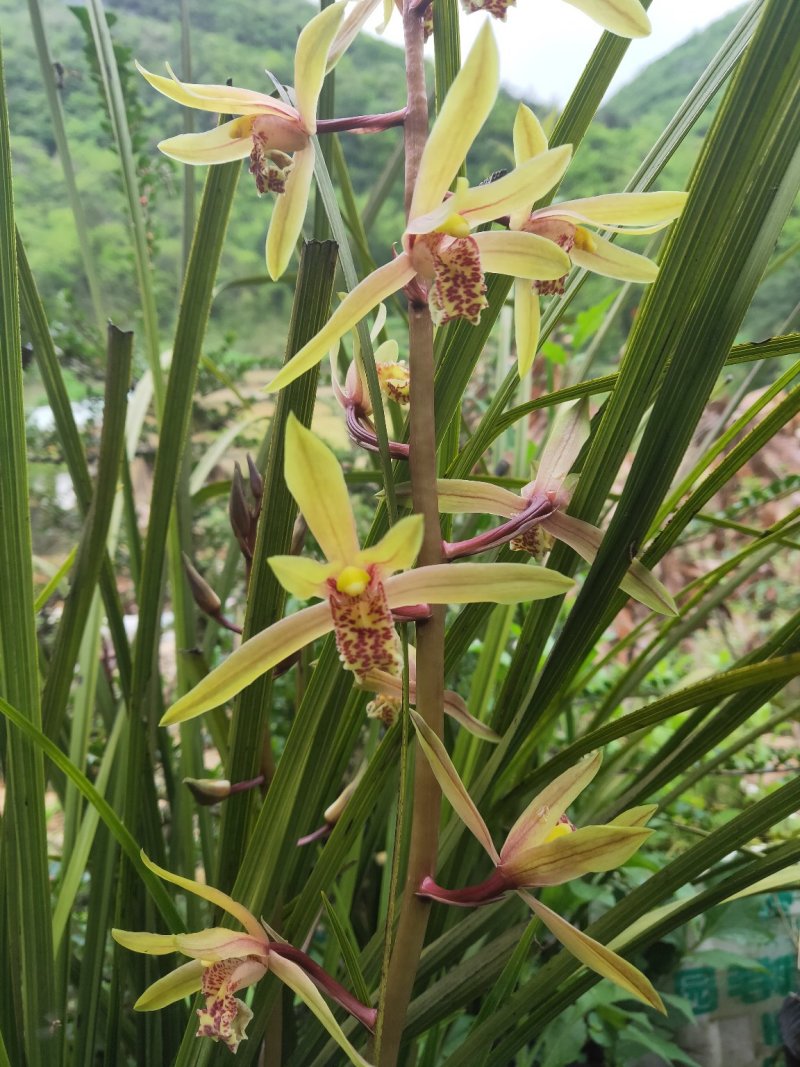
(591, 849)
(315, 479)
(367, 294)
(387, 352)
(223, 99)
(596, 957)
(464, 110)
(230, 141)
(455, 706)
(468, 496)
(289, 212)
(302, 577)
(635, 816)
(379, 681)
(311, 59)
(184, 981)
(252, 659)
(217, 943)
(147, 943)
(612, 261)
(529, 136)
(379, 322)
(630, 212)
(209, 893)
(547, 807)
(349, 30)
(521, 255)
(299, 982)
(585, 539)
(527, 323)
(627, 18)
(474, 583)
(398, 549)
(518, 190)
(569, 434)
(451, 785)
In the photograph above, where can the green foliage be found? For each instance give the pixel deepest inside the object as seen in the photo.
(684, 467)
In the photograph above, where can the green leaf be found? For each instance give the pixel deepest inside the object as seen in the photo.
(25, 873)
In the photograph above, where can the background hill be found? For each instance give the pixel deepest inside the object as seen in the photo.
(239, 41)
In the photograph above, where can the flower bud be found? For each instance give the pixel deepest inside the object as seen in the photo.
(256, 481)
(240, 515)
(208, 791)
(204, 596)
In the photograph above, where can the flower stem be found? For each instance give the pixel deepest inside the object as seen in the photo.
(538, 509)
(325, 982)
(412, 922)
(488, 891)
(362, 123)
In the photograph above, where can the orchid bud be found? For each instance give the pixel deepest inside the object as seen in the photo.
(256, 481)
(204, 596)
(208, 791)
(240, 516)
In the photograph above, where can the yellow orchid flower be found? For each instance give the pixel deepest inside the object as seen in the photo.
(275, 135)
(542, 849)
(437, 244)
(565, 225)
(225, 961)
(359, 587)
(538, 514)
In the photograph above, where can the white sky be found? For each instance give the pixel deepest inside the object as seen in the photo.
(545, 43)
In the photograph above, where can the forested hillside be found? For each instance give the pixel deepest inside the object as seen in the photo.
(238, 41)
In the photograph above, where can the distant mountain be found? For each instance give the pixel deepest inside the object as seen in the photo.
(239, 41)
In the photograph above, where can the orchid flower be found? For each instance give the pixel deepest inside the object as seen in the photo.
(389, 701)
(225, 961)
(565, 225)
(542, 849)
(538, 515)
(275, 135)
(358, 587)
(626, 18)
(437, 243)
(354, 394)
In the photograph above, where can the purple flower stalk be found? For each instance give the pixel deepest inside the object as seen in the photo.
(539, 507)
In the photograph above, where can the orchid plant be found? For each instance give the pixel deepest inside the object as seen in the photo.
(409, 571)
(459, 784)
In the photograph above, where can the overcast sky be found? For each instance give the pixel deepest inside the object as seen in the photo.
(545, 43)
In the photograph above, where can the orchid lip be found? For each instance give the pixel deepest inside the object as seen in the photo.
(539, 508)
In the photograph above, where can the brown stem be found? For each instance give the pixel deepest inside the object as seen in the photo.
(363, 123)
(405, 953)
